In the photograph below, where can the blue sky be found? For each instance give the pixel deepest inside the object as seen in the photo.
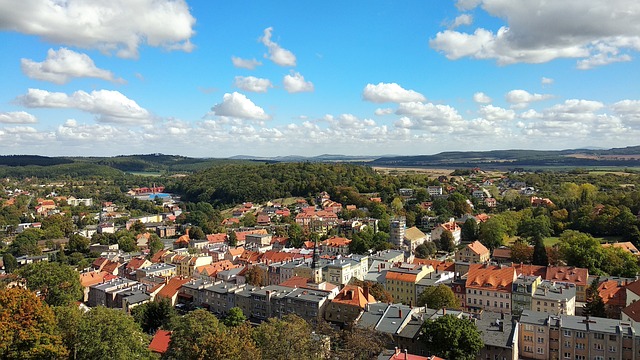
(217, 79)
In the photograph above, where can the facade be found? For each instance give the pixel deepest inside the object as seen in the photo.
(413, 237)
(522, 292)
(450, 226)
(473, 253)
(554, 298)
(347, 306)
(489, 288)
(401, 282)
(397, 229)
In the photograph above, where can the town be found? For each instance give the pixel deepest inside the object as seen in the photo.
(523, 265)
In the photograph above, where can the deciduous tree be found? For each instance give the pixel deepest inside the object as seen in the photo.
(451, 338)
(286, 338)
(438, 297)
(59, 284)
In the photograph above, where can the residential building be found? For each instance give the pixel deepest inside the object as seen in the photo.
(348, 305)
(401, 281)
(413, 237)
(448, 226)
(473, 253)
(499, 335)
(340, 271)
(554, 298)
(434, 190)
(397, 230)
(390, 256)
(522, 292)
(489, 288)
(159, 269)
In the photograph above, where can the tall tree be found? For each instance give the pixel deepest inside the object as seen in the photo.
(10, 263)
(438, 297)
(154, 315)
(235, 317)
(286, 338)
(110, 334)
(521, 252)
(196, 233)
(59, 284)
(233, 239)
(78, 243)
(451, 338)
(27, 327)
(446, 241)
(539, 252)
(256, 276)
(594, 306)
(200, 335)
(493, 232)
(469, 231)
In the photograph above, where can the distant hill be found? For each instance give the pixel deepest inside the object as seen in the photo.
(26, 160)
(629, 156)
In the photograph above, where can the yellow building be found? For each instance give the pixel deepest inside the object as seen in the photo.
(401, 282)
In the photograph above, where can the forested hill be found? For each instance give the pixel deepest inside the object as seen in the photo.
(25, 160)
(234, 183)
(629, 156)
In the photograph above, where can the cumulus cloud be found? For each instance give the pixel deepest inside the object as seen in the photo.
(253, 84)
(108, 106)
(295, 83)
(538, 31)
(522, 98)
(546, 81)
(236, 105)
(464, 19)
(495, 113)
(249, 64)
(383, 111)
(119, 26)
(390, 92)
(431, 117)
(277, 54)
(481, 98)
(17, 117)
(63, 65)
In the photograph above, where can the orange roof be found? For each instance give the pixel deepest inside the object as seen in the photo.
(217, 238)
(279, 239)
(214, 268)
(633, 311)
(502, 253)
(490, 277)
(249, 257)
(145, 235)
(613, 293)
(157, 257)
(160, 342)
(242, 235)
(308, 244)
(337, 242)
(272, 256)
(171, 289)
(91, 278)
(111, 266)
(451, 226)
(182, 239)
(482, 217)
(400, 276)
(135, 263)
(236, 252)
(436, 264)
(570, 274)
(478, 248)
(353, 295)
(99, 262)
(626, 246)
(531, 270)
(295, 281)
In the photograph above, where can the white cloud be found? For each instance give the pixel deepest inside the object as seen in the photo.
(464, 19)
(430, 117)
(277, 54)
(245, 63)
(383, 111)
(252, 84)
(63, 65)
(522, 98)
(109, 106)
(295, 83)
(116, 25)
(390, 92)
(481, 98)
(546, 81)
(17, 117)
(597, 32)
(236, 105)
(495, 113)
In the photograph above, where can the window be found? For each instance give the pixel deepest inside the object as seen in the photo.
(567, 343)
(540, 340)
(580, 334)
(567, 355)
(540, 350)
(612, 348)
(612, 338)
(597, 346)
(580, 346)
(528, 327)
(598, 336)
(540, 329)
(567, 333)
(528, 338)
(527, 348)
(581, 357)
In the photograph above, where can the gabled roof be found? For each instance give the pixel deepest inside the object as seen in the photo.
(478, 248)
(337, 242)
(501, 253)
(99, 262)
(531, 270)
(613, 293)
(571, 274)
(633, 311)
(353, 295)
(111, 266)
(212, 270)
(490, 277)
(135, 263)
(436, 264)
(626, 246)
(91, 278)
(634, 287)
(296, 281)
(160, 342)
(157, 257)
(172, 287)
(414, 234)
(217, 238)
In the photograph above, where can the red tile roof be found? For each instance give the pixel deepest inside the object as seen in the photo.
(353, 295)
(634, 287)
(337, 242)
(92, 278)
(436, 264)
(217, 238)
(570, 274)
(613, 293)
(171, 289)
(111, 267)
(157, 257)
(478, 248)
(490, 277)
(633, 311)
(135, 263)
(160, 342)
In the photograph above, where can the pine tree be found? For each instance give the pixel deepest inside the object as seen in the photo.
(540, 252)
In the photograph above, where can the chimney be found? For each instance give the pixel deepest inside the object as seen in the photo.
(365, 290)
(444, 311)
(399, 313)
